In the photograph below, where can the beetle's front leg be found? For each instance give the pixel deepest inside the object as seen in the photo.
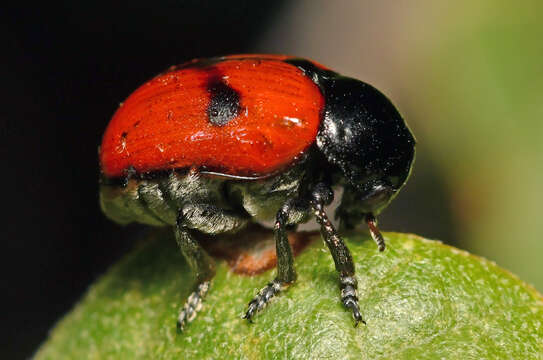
(202, 265)
(323, 195)
(285, 263)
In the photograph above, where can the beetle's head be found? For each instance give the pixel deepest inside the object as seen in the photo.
(364, 136)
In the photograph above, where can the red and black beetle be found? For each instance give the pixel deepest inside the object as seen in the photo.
(214, 144)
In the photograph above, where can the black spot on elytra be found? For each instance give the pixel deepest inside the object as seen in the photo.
(224, 102)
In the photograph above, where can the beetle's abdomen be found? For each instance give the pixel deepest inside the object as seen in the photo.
(159, 201)
(248, 117)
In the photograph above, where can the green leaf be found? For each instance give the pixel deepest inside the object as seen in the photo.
(421, 300)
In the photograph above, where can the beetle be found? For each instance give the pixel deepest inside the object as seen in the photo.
(214, 144)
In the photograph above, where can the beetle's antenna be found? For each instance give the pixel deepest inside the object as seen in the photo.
(374, 231)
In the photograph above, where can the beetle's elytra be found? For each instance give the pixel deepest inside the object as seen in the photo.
(214, 144)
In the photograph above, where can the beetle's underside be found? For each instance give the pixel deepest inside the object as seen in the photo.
(193, 202)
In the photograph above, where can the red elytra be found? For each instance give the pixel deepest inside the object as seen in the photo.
(165, 125)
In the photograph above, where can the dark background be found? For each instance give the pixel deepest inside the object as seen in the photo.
(66, 68)
(466, 75)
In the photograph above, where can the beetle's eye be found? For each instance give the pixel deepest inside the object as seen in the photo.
(394, 181)
(377, 194)
(377, 197)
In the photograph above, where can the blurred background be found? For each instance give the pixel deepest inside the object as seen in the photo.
(467, 76)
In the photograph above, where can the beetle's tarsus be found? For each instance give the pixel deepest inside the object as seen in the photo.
(262, 298)
(192, 305)
(349, 298)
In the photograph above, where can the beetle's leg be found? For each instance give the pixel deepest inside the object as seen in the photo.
(322, 195)
(285, 264)
(211, 219)
(208, 219)
(202, 265)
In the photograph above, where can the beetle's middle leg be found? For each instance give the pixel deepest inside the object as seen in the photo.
(292, 212)
(208, 219)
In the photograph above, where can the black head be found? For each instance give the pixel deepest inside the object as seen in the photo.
(364, 136)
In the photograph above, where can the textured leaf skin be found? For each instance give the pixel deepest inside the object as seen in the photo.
(421, 300)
